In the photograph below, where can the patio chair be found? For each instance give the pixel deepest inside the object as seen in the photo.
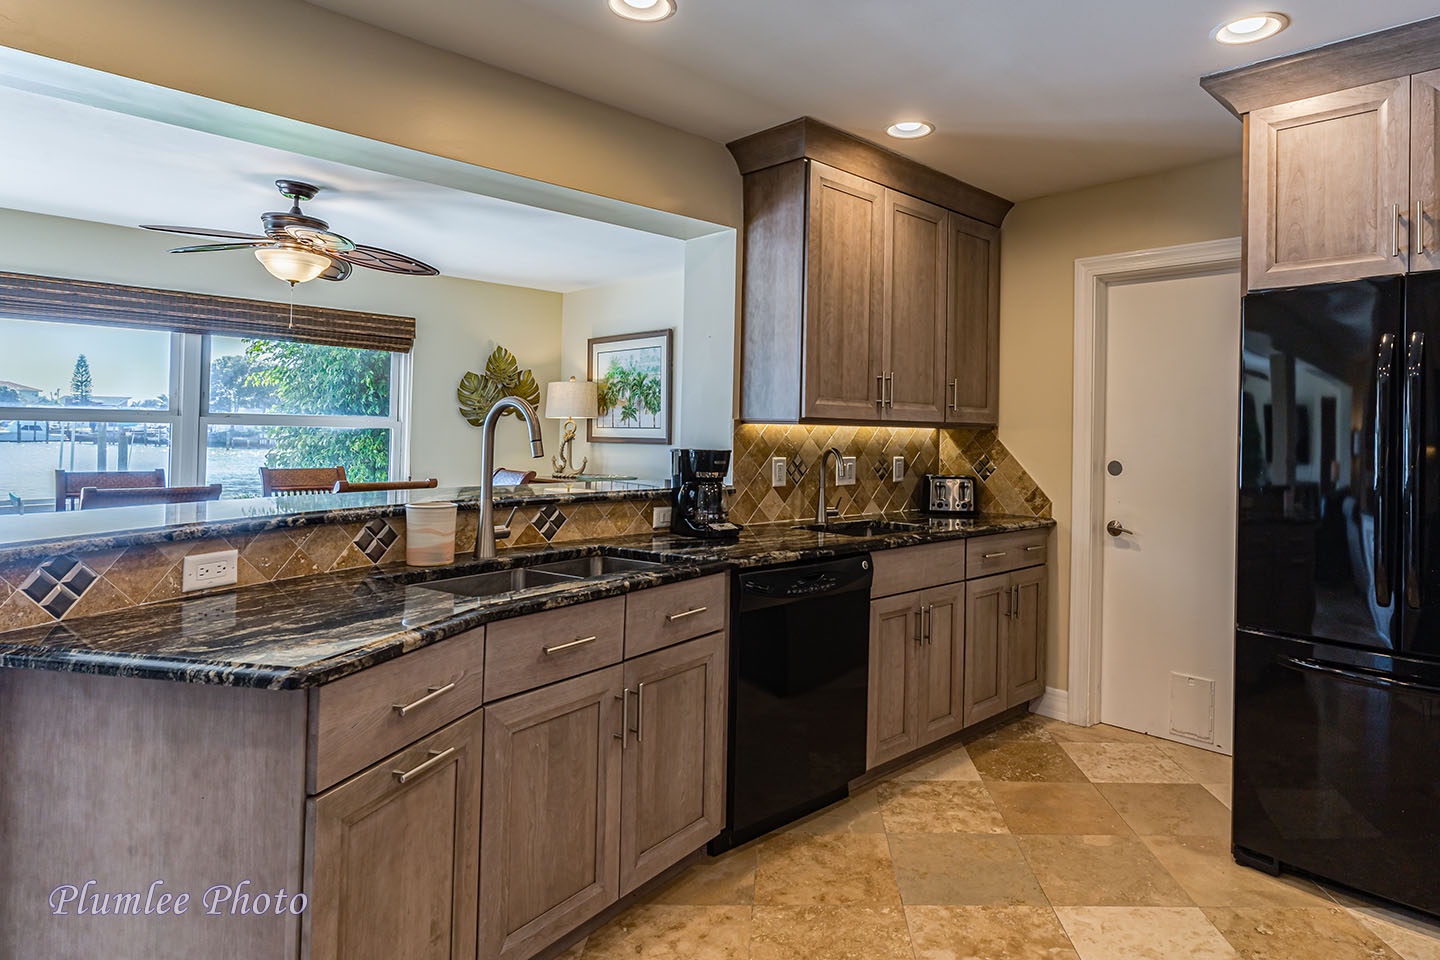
(69, 483)
(93, 497)
(282, 480)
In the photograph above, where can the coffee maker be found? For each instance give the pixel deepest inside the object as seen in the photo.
(698, 486)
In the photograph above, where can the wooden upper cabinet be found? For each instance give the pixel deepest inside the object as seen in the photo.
(844, 296)
(972, 367)
(1329, 187)
(915, 284)
(1425, 170)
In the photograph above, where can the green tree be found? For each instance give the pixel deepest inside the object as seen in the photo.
(80, 384)
(312, 379)
(231, 389)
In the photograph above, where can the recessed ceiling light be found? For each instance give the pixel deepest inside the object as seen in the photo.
(1252, 28)
(646, 10)
(910, 129)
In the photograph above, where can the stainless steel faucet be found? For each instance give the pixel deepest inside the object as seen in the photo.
(821, 513)
(485, 532)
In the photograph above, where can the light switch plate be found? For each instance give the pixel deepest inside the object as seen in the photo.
(897, 469)
(660, 518)
(845, 472)
(202, 571)
(777, 471)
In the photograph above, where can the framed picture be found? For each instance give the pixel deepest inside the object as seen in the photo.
(634, 375)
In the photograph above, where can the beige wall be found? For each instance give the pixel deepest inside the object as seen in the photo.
(1041, 241)
(263, 54)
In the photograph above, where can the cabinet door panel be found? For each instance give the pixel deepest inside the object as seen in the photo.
(972, 342)
(844, 296)
(1425, 170)
(892, 715)
(549, 850)
(915, 308)
(987, 622)
(394, 865)
(941, 685)
(672, 800)
(1025, 652)
(1329, 182)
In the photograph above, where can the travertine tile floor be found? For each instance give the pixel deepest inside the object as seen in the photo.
(1039, 840)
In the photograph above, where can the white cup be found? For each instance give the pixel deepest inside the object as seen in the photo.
(429, 533)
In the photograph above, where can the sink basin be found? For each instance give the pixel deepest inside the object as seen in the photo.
(495, 582)
(586, 567)
(866, 528)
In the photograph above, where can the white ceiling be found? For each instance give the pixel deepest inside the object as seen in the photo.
(72, 160)
(1030, 97)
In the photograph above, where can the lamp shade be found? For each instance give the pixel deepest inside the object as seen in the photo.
(568, 399)
(292, 263)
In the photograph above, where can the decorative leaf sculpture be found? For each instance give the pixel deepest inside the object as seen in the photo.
(503, 377)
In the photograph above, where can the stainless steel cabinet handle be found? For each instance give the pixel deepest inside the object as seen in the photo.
(927, 618)
(685, 613)
(437, 757)
(880, 383)
(1009, 602)
(992, 556)
(431, 694)
(624, 699)
(890, 381)
(573, 643)
(640, 713)
(1016, 605)
(955, 394)
(1394, 229)
(920, 625)
(1040, 546)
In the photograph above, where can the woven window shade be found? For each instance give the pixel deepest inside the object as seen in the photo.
(26, 297)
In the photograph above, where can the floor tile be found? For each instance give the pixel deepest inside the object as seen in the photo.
(991, 933)
(1204, 867)
(829, 933)
(859, 813)
(1032, 727)
(953, 764)
(963, 868)
(1205, 766)
(1317, 933)
(796, 869)
(1062, 808)
(726, 879)
(1411, 935)
(1024, 761)
(1143, 933)
(653, 932)
(1060, 731)
(1126, 763)
(1220, 791)
(1168, 808)
(925, 806)
(1101, 872)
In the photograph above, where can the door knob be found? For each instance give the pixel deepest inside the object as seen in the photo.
(1116, 529)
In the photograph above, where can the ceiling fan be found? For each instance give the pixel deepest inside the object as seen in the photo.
(298, 248)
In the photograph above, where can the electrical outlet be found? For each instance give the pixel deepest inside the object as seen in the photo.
(845, 471)
(897, 469)
(660, 518)
(204, 570)
(777, 471)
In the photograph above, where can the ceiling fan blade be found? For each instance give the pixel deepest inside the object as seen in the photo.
(208, 247)
(202, 232)
(386, 260)
(338, 271)
(322, 240)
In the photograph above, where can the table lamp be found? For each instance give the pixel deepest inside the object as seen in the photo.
(566, 400)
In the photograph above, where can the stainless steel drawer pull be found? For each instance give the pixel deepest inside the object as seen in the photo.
(1034, 548)
(685, 613)
(992, 556)
(431, 693)
(573, 643)
(640, 713)
(437, 757)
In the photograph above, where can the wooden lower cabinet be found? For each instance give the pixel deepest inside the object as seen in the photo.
(1025, 650)
(941, 668)
(1004, 642)
(550, 826)
(917, 644)
(394, 851)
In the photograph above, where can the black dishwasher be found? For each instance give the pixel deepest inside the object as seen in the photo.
(799, 662)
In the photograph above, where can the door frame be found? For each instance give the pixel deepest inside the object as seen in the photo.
(1093, 278)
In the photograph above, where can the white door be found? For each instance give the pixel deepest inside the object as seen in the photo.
(1172, 373)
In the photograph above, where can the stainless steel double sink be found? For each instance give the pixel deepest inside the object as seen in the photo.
(493, 582)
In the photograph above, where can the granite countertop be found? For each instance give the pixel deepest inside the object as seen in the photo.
(302, 633)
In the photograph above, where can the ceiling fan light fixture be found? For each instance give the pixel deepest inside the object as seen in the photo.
(1251, 29)
(292, 264)
(910, 129)
(647, 11)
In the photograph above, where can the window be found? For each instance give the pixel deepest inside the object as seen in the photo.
(206, 408)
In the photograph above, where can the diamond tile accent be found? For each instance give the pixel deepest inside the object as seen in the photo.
(985, 467)
(375, 538)
(58, 584)
(796, 468)
(881, 466)
(548, 520)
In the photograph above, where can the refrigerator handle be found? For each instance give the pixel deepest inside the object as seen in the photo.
(1384, 681)
(1411, 482)
(1384, 416)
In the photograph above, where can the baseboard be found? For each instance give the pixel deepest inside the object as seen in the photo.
(1055, 704)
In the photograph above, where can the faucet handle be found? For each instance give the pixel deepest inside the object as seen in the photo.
(502, 530)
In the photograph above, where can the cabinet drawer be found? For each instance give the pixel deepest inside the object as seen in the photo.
(915, 568)
(1006, 551)
(358, 720)
(529, 652)
(661, 616)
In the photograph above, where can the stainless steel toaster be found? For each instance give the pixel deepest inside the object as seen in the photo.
(950, 495)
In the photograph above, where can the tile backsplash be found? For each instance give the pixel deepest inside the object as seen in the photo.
(1005, 486)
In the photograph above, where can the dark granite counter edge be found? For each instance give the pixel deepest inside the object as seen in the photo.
(694, 559)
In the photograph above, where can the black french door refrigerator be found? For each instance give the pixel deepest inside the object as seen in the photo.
(1337, 644)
